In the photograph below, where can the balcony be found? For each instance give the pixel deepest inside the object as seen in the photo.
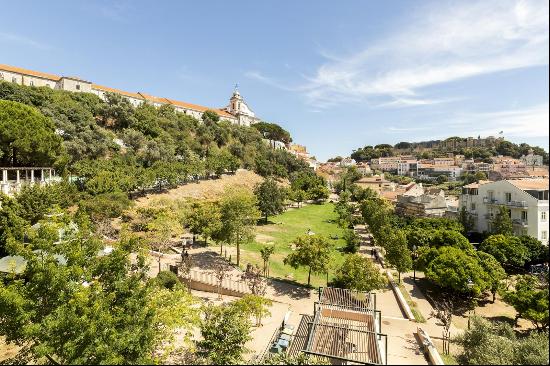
(520, 204)
(489, 216)
(494, 201)
(520, 222)
(491, 201)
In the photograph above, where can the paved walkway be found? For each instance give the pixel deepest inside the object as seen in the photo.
(433, 326)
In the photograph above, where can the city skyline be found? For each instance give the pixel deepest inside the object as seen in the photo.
(344, 77)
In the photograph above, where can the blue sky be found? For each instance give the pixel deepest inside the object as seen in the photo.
(338, 75)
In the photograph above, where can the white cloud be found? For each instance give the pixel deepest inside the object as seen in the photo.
(20, 39)
(517, 123)
(440, 44)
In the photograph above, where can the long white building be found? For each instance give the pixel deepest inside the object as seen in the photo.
(527, 200)
(237, 111)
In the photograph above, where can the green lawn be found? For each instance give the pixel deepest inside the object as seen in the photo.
(283, 229)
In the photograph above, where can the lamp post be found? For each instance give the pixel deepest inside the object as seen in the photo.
(470, 285)
(414, 256)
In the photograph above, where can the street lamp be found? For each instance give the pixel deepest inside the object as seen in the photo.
(414, 256)
(470, 285)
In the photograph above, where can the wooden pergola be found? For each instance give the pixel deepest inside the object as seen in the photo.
(344, 329)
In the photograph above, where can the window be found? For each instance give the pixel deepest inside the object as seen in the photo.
(31, 83)
(508, 197)
(1, 76)
(543, 235)
(543, 215)
(523, 215)
(77, 87)
(473, 206)
(14, 79)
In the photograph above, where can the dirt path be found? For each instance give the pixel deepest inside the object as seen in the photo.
(204, 189)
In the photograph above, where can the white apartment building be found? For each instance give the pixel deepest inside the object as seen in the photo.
(237, 112)
(527, 200)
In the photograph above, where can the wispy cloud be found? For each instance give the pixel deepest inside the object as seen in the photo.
(444, 42)
(256, 75)
(116, 10)
(23, 40)
(529, 122)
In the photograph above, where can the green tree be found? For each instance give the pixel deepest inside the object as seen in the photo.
(442, 179)
(493, 269)
(508, 250)
(419, 237)
(265, 252)
(27, 138)
(12, 226)
(538, 252)
(210, 115)
(298, 196)
(466, 219)
(254, 305)
(398, 254)
(239, 215)
(530, 299)
(486, 343)
(359, 273)
(451, 238)
(272, 131)
(312, 251)
(225, 330)
(502, 223)
(452, 268)
(36, 201)
(353, 241)
(70, 306)
(203, 218)
(270, 198)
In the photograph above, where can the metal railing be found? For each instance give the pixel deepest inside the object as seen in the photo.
(520, 222)
(516, 203)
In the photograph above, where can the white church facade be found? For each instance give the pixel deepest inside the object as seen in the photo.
(237, 112)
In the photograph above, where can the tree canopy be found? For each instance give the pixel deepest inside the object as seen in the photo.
(312, 251)
(359, 273)
(27, 137)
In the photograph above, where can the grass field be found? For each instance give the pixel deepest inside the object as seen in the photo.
(283, 229)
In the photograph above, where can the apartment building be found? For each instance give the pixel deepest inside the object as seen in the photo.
(527, 200)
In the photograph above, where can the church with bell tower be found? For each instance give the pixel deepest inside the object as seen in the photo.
(238, 107)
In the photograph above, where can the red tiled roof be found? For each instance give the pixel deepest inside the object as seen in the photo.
(39, 74)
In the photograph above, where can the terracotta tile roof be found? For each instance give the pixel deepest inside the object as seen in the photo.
(390, 195)
(139, 95)
(527, 184)
(74, 78)
(116, 91)
(152, 98)
(199, 108)
(20, 70)
(476, 184)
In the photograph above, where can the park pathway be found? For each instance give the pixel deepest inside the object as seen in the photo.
(432, 326)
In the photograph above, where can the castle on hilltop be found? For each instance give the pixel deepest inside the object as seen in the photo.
(237, 112)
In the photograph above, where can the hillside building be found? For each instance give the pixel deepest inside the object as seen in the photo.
(237, 112)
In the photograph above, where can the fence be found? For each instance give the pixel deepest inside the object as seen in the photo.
(205, 281)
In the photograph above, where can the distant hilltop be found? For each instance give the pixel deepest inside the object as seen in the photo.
(237, 111)
(451, 143)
